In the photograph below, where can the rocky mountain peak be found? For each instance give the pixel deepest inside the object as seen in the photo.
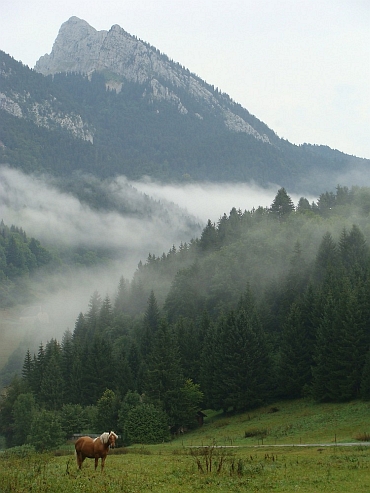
(81, 48)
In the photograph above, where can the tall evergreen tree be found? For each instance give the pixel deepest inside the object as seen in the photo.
(354, 252)
(282, 206)
(164, 375)
(295, 355)
(123, 380)
(340, 349)
(121, 300)
(97, 371)
(106, 315)
(327, 258)
(80, 330)
(150, 324)
(66, 364)
(51, 393)
(92, 316)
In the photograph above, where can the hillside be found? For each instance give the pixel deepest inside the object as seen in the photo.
(109, 104)
(294, 422)
(268, 304)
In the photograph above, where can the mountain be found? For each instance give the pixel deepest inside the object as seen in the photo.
(80, 48)
(107, 103)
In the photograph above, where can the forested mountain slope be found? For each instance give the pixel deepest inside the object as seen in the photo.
(267, 303)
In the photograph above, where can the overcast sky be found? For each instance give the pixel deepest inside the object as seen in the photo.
(300, 66)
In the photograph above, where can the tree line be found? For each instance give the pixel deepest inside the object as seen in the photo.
(269, 303)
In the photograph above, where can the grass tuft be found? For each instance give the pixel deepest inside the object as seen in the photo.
(363, 437)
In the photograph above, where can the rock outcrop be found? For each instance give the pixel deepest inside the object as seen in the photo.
(80, 48)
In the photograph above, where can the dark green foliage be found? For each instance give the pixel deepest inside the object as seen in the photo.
(24, 411)
(146, 424)
(268, 308)
(46, 431)
(107, 411)
(73, 419)
(341, 345)
(164, 375)
(150, 325)
(20, 258)
(295, 354)
(282, 205)
(237, 367)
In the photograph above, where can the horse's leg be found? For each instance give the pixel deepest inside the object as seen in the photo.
(79, 459)
(102, 463)
(96, 462)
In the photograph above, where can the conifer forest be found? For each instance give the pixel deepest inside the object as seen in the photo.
(270, 303)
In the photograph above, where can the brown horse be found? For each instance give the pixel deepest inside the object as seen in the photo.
(95, 449)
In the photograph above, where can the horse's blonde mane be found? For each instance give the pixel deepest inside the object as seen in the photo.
(104, 437)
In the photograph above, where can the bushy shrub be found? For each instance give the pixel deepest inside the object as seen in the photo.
(46, 431)
(19, 451)
(146, 424)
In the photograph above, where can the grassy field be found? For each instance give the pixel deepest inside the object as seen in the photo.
(219, 458)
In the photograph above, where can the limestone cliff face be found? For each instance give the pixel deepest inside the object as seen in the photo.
(80, 48)
(44, 112)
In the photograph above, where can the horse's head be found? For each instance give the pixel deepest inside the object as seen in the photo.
(112, 439)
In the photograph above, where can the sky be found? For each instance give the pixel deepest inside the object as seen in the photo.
(300, 66)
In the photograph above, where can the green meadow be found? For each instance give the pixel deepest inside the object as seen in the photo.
(287, 447)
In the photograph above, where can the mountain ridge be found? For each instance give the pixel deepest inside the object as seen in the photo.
(108, 104)
(80, 48)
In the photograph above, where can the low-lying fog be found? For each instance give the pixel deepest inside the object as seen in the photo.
(53, 217)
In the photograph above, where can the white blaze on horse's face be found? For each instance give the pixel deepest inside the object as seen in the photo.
(112, 439)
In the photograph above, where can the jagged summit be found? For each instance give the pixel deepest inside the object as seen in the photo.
(81, 48)
(76, 37)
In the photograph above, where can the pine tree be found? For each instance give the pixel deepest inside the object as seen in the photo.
(295, 355)
(27, 369)
(282, 205)
(241, 361)
(164, 375)
(327, 258)
(210, 364)
(209, 237)
(340, 349)
(66, 364)
(80, 330)
(97, 371)
(52, 385)
(123, 380)
(134, 360)
(121, 300)
(92, 316)
(150, 324)
(354, 252)
(105, 321)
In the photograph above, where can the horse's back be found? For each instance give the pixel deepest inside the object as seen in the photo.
(85, 445)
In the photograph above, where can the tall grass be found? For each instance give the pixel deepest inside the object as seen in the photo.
(201, 461)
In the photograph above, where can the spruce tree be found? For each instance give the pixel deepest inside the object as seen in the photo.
(340, 348)
(164, 374)
(282, 206)
(295, 355)
(150, 324)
